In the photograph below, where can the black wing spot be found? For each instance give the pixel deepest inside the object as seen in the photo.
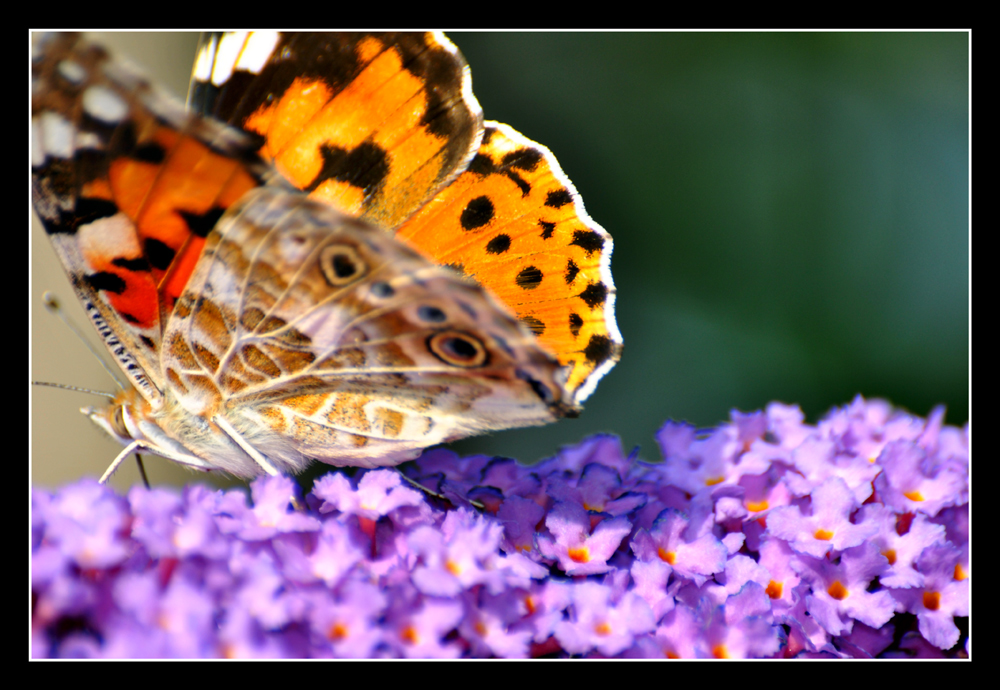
(130, 318)
(575, 324)
(499, 244)
(547, 229)
(88, 210)
(529, 278)
(150, 152)
(594, 295)
(477, 213)
(140, 264)
(521, 159)
(482, 165)
(108, 282)
(525, 159)
(558, 198)
(588, 240)
(599, 349)
(534, 325)
(366, 166)
(571, 271)
(200, 224)
(160, 256)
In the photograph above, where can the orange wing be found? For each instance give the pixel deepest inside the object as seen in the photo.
(373, 124)
(514, 223)
(385, 127)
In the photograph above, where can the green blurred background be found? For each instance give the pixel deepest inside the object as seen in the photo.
(790, 213)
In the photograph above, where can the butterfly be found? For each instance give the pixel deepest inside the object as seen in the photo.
(276, 274)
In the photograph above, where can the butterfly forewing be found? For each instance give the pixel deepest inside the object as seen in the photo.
(127, 186)
(373, 124)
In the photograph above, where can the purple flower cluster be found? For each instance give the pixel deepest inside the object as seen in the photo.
(765, 537)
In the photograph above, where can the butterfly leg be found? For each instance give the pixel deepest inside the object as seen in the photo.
(142, 470)
(113, 467)
(254, 454)
(257, 457)
(420, 487)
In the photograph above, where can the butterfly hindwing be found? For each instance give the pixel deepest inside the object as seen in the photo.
(514, 223)
(334, 341)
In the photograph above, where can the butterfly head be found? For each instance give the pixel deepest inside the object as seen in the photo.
(119, 418)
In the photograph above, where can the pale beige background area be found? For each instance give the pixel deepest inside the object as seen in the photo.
(66, 445)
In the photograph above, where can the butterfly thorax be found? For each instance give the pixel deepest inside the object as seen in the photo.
(134, 422)
(196, 439)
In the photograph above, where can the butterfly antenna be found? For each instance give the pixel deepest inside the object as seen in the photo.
(52, 304)
(78, 389)
(54, 307)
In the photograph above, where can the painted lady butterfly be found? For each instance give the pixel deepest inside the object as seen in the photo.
(261, 328)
